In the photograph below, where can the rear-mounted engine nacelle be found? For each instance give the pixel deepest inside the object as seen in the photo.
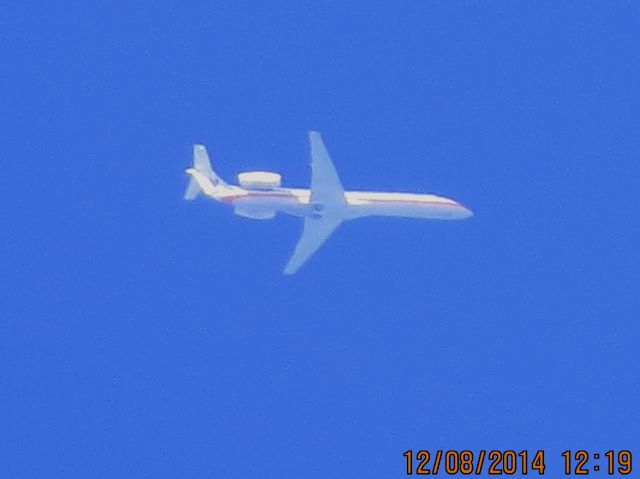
(253, 212)
(259, 180)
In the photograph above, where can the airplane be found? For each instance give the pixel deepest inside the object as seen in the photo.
(324, 206)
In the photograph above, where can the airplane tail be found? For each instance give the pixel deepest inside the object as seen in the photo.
(203, 178)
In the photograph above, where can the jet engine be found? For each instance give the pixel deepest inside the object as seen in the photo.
(254, 213)
(259, 180)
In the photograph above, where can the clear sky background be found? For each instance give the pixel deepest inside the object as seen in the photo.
(145, 336)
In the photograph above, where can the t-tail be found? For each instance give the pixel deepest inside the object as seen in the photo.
(203, 178)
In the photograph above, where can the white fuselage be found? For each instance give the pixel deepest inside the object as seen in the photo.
(296, 201)
(324, 206)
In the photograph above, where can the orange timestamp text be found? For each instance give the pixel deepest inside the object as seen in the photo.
(468, 462)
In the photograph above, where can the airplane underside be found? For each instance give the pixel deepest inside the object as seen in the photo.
(324, 206)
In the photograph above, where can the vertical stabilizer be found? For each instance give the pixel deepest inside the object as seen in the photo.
(206, 179)
(202, 163)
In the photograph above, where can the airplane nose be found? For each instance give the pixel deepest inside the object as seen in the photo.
(465, 212)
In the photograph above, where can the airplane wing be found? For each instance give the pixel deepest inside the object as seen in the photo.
(326, 187)
(328, 197)
(315, 232)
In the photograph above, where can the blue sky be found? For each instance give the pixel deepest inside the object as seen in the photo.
(144, 336)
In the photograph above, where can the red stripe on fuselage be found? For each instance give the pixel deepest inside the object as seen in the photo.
(417, 202)
(231, 199)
